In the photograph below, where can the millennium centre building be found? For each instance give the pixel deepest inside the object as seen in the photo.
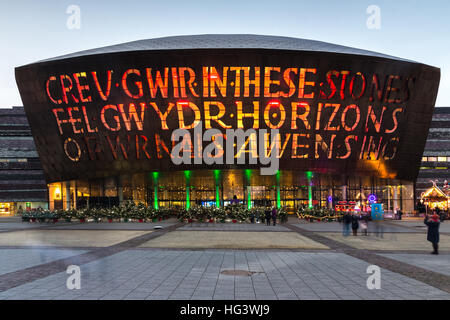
(189, 120)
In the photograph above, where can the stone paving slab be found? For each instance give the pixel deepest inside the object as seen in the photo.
(12, 226)
(67, 238)
(187, 274)
(389, 241)
(233, 240)
(18, 259)
(233, 227)
(419, 225)
(385, 227)
(112, 226)
(437, 263)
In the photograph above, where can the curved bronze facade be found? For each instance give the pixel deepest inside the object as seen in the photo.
(112, 112)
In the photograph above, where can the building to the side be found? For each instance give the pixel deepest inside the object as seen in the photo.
(436, 157)
(345, 124)
(22, 181)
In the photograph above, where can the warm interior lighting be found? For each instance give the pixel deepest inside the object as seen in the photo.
(57, 193)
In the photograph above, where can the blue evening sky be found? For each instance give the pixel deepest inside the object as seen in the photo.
(31, 30)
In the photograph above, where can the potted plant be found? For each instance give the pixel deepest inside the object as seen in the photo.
(26, 217)
(81, 215)
(41, 215)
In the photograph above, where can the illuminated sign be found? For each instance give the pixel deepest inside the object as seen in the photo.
(317, 127)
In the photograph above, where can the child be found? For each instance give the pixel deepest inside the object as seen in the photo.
(363, 225)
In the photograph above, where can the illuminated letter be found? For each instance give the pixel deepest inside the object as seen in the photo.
(137, 83)
(116, 118)
(216, 118)
(336, 107)
(373, 117)
(66, 90)
(254, 115)
(162, 116)
(197, 117)
(324, 146)
(282, 112)
(248, 82)
(347, 146)
(215, 80)
(302, 83)
(289, 82)
(302, 117)
(237, 82)
(52, 78)
(73, 121)
(394, 117)
(344, 116)
(331, 84)
(105, 95)
(133, 114)
(160, 83)
(268, 82)
(363, 86)
(189, 83)
(296, 145)
(375, 85)
(77, 157)
(58, 121)
(114, 149)
(81, 88)
(144, 146)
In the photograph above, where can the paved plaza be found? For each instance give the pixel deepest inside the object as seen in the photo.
(172, 260)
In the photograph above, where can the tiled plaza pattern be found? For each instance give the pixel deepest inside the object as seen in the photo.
(135, 264)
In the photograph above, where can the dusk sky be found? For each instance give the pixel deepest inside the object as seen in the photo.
(33, 30)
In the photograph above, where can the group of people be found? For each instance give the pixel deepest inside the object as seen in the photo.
(355, 221)
(270, 213)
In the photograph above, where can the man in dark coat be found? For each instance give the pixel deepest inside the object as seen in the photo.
(355, 224)
(347, 220)
(433, 231)
(399, 214)
(268, 214)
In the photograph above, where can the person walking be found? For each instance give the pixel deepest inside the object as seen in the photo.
(399, 214)
(433, 231)
(347, 220)
(355, 224)
(267, 216)
(274, 215)
(364, 224)
(252, 217)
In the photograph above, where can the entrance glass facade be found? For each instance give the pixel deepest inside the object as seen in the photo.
(182, 189)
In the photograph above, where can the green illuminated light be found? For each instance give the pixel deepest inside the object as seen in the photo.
(187, 176)
(155, 175)
(217, 181)
(188, 198)
(309, 175)
(249, 197)
(248, 174)
(217, 197)
(278, 190)
(155, 199)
